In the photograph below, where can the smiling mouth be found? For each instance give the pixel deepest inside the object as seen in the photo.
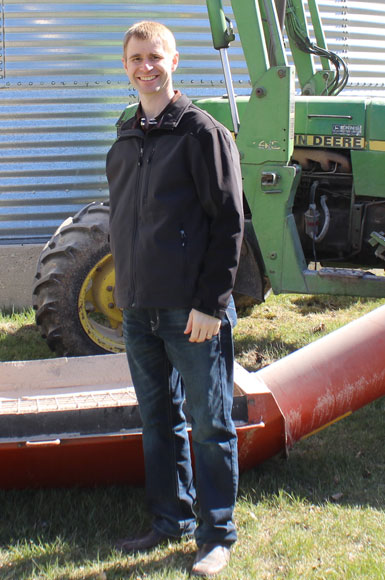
(149, 78)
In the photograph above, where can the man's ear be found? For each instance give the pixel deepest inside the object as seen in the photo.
(124, 64)
(175, 61)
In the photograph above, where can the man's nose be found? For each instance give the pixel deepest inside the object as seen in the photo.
(148, 66)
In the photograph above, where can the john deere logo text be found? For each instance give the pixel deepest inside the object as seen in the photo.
(337, 141)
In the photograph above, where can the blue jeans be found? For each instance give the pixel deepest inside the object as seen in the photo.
(167, 369)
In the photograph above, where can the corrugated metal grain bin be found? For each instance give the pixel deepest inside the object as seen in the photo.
(62, 89)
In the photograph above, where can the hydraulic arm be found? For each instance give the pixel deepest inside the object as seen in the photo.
(265, 141)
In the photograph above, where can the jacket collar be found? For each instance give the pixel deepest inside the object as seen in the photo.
(168, 119)
(173, 113)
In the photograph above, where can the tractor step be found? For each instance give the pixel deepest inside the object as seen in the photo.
(343, 281)
(346, 273)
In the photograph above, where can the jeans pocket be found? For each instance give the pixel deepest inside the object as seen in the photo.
(231, 313)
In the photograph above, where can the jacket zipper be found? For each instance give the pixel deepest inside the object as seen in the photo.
(136, 219)
(138, 200)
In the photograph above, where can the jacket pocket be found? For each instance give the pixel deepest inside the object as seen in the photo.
(183, 243)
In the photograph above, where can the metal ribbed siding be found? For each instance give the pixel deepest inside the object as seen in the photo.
(62, 88)
(58, 42)
(355, 29)
(52, 156)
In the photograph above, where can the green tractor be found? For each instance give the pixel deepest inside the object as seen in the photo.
(313, 168)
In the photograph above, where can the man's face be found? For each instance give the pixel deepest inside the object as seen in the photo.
(149, 65)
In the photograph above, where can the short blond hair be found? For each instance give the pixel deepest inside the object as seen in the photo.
(148, 30)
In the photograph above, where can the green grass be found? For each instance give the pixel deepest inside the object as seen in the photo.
(286, 323)
(320, 514)
(20, 339)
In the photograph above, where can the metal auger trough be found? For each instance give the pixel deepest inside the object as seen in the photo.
(75, 421)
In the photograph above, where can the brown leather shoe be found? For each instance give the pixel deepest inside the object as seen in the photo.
(150, 540)
(210, 560)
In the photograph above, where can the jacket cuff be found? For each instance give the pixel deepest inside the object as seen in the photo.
(219, 313)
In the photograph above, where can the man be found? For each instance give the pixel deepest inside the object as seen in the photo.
(176, 229)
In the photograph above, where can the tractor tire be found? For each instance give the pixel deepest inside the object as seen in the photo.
(73, 287)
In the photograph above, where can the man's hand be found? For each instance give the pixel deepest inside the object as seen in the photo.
(201, 326)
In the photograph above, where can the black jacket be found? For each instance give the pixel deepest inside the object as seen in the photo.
(176, 214)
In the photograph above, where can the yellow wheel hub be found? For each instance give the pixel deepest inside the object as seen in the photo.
(99, 316)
